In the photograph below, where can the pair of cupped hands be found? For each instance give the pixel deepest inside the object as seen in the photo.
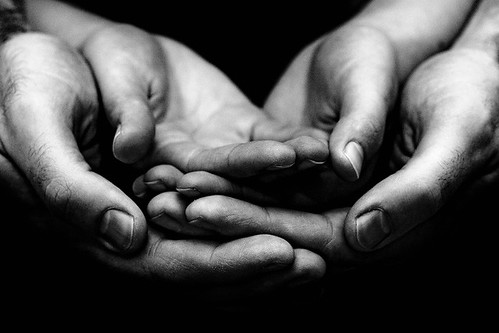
(257, 198)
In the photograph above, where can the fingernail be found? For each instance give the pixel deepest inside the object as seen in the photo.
(139, 189)
(117, 229)
(372, 228)
(200, 222)
(355, 155)
(307, 164)
(165, 221)
(280, 167)
(156, 185)
(118, 133)
(189, 192)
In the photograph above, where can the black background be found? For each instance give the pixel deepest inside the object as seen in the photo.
(451, 281)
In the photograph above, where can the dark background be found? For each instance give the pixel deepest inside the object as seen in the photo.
(452, 281)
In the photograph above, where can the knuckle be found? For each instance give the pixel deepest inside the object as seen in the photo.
(59, 196)
(56, 191)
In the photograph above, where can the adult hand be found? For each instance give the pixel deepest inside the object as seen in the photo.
(344, 86)
(156, 91)
(226, 215)
(49, 143)
(447, 143)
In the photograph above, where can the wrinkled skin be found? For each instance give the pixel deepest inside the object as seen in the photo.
(319, 90)
(446, 145)
(50, 160)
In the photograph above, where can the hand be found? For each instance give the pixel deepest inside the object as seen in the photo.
(49, 149)
(144, 80)
(447, 143)
(440, 161)
(451, 94)
(344, 85)
(195, 133)
(49, 141)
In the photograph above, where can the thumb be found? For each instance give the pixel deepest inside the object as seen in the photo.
(47, 152)
(133, 83)
(358, 91)
(412, 195)
(127, 109)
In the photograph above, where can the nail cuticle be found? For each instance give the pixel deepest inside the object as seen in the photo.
(188, 189)
(372, 228)
(279, 167)
(117, 232)
(154, 182)
(354, 154)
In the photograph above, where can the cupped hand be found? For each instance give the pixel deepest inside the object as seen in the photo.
(171, 106)
(49, 144)
(230, 214)
(447, 143)
(446, 149)
(343, 86)
(446, 146)
(50, 150)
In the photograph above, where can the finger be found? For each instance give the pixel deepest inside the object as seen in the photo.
(191, 260)
(167, 210)
(133, 89)
(236, 160)
(365, 89)
(46, 151)
(200, 183)
(127, 108)
(310, 144)
(158, 179)
(236, 218)
(310, 152)
(307, 267)
(409, 197)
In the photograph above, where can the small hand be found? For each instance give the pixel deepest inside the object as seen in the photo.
(344, 86)
(171, 106)
(446, 144)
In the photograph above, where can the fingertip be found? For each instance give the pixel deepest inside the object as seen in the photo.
(122, 232)
(207, 207)
(171, 203)
(275, 253)
(311, 149)
(131, 143)
(192, 184)
(139, 188)
(311, 266)
(368, 230)
(348, 161)
(279, 155)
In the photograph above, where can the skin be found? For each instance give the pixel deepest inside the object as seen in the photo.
(451, 94)
(50, 158)
(437, 162)
(374, 53)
